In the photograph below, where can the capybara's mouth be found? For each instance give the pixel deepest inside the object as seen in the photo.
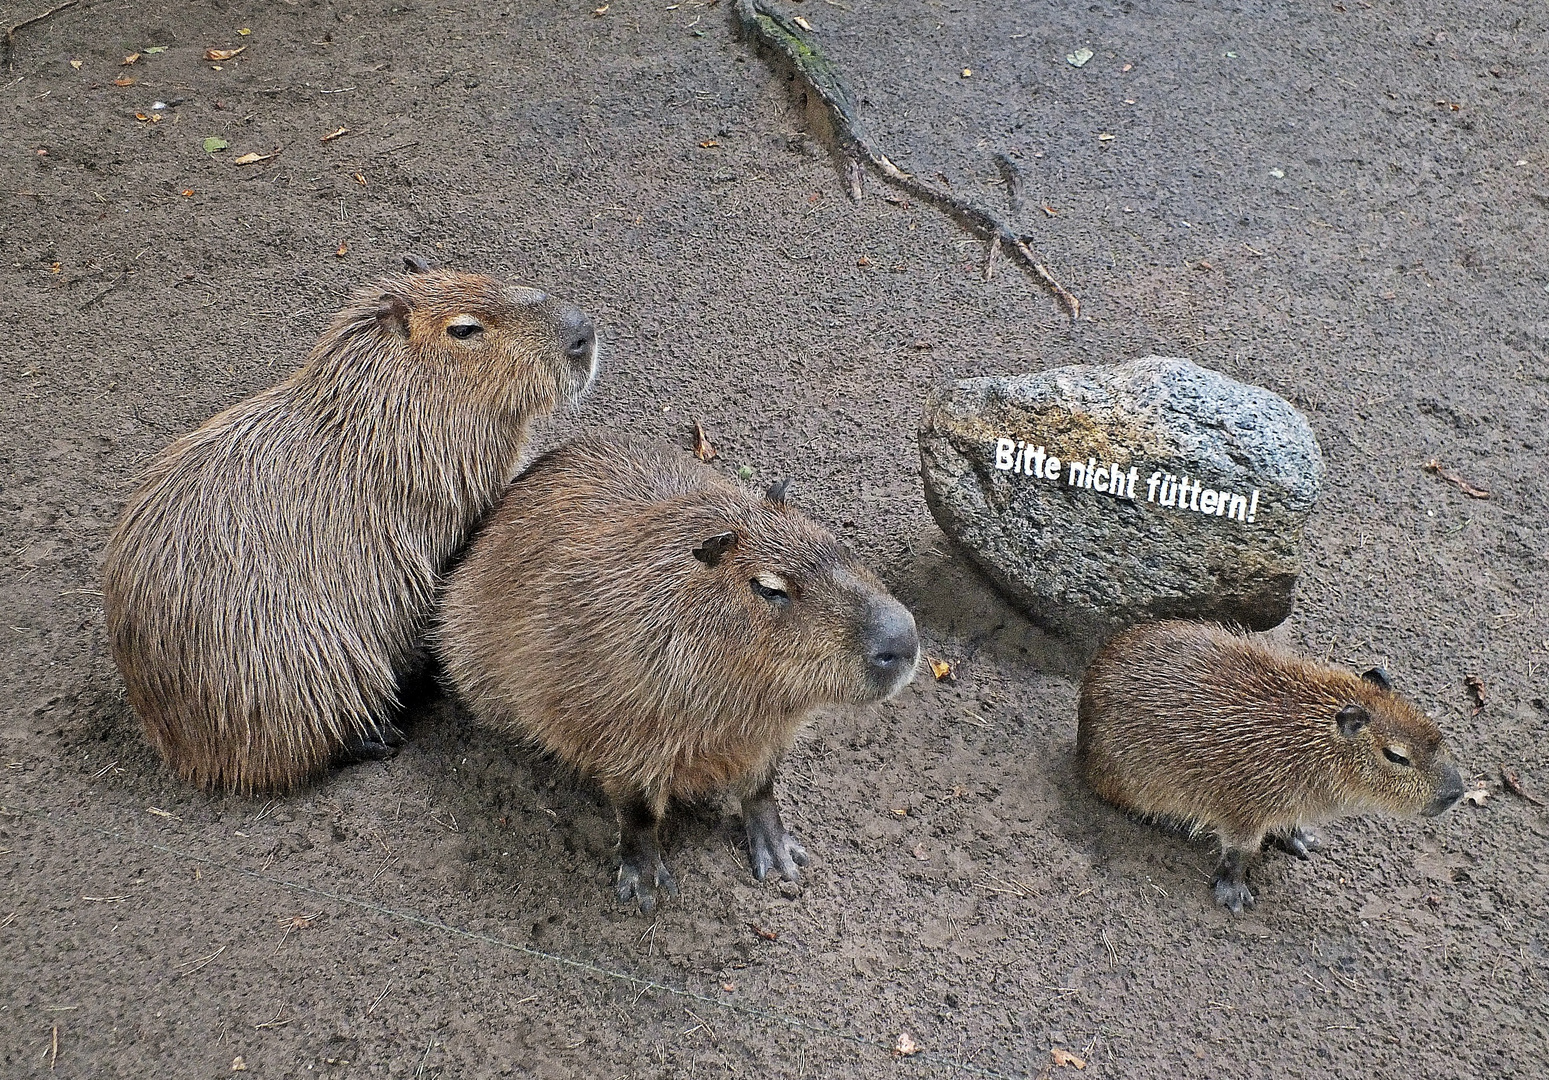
(1443, 802)
(1449, 792)
(582, 378)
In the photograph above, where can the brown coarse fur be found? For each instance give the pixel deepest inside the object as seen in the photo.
(1211, 731)
(274, 570)
(597, 616)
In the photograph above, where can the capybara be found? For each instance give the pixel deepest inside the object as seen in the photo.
(274, 572)
(663, 631)
(1199, 728)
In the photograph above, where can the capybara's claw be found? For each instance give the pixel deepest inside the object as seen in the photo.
(769, 851)
(1298, 841)
(643, 887)
(1233, 894)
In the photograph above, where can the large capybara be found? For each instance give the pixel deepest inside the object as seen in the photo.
(274, 571)
(1204, 730)
(663, 631)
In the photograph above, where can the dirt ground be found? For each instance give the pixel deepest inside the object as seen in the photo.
(1345, 203)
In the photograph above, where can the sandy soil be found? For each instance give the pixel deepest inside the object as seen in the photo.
(1343, 203)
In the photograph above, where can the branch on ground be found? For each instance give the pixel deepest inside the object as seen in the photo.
(781, 35)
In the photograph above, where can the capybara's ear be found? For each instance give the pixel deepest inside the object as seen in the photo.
(1378, 677)
(392, 313)
(776, 492)
(1351, 719)
(416, 264)
(711, 550)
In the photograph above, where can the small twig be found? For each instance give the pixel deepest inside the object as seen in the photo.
(115, 284)
(378, 999)
(10, 44)
(53, 1057)
(192, 966)
(274, 1022)
(989, 260)
(1013, 178)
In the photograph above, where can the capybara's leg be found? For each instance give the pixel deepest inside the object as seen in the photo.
(1231, 879)
(770, 846)
(1297, 841)
(641, 871)
(377, 742)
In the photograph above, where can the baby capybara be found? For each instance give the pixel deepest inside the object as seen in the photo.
(1208, 731)
(274, 572)
(663, 631)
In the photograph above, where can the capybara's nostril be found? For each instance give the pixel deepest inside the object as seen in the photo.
(893, 648)
(579, 333)
(1449, 791)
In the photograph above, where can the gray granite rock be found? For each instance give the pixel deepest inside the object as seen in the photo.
(1177, 493)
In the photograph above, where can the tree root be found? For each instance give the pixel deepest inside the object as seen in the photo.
(9, 39)
(781, 35)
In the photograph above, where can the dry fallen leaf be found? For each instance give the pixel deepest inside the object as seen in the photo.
(702, 448)
(223, 54)
(1476, 687)
(252, 159)
(152, 118)
(125, 81)
(1062, 1057)
(343, 249)
(767, 935)
(708, 143)
(1513, 783)
(939, 668)
(131, 58)
(76, 64)
(56, 268)
(1477, 796)
(803, 23)
(1435, 466)
(332, 135)
(360, 179)
(238, 1065)
(187, 192)
(906, 1046)
(600, 12)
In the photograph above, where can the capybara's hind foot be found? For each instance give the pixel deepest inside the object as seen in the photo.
(378, 742)
(1298, 841)
(770, 846)
(1231, 881)
(639, 880)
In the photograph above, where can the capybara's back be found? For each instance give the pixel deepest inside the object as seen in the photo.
(665, 632)
(274, 570)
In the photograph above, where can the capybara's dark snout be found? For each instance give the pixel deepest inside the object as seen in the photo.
(1449, 791)
(892, 647)
(578, 333)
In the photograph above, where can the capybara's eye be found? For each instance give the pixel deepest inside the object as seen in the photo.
(1396, 756)
(464, 330)
(773, 593)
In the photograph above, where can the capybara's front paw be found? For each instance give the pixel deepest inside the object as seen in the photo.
(1233, 894)
(639, 880)
(771, 847)
(1298, 841)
